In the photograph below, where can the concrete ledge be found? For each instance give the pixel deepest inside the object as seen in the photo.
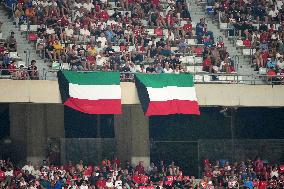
(44, 91)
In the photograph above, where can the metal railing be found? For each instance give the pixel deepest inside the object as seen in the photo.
(202, 77)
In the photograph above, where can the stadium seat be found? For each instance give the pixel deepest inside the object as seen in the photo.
(191, 42)
(24, 28)
(33, 28)
(223, 26)
(14, 55)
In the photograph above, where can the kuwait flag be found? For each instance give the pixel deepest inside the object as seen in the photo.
(165, 94)
(91, 92)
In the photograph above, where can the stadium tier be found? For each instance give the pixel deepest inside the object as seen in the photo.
(141, 94)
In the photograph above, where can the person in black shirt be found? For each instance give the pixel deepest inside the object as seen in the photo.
(32, 69)
(125, 76)
(150, 69)
(49, 49)
(109, 50)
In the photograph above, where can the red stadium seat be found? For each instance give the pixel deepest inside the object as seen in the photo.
(142, 187)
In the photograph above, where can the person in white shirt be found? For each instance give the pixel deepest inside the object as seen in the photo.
(274, 14)
(85, 33)
(109, 183)
(167, 68)
(78, 4)
(280, 64)
(118, 183)
(50, 30)
(28, 167)
(132, 67)
(9, 172)
(36, 172)
(84, 185)
(102, 39)
(68, 33)
(88, 6)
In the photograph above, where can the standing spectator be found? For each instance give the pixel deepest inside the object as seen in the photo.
(28, 167)
(32, 69)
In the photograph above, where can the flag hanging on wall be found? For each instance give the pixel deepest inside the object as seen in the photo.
(91, 92)
(165, 94)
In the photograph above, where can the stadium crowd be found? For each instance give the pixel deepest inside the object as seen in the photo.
(128, 36)
(112, 175)
(258, 25)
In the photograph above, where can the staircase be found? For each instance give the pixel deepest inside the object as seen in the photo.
(197, 12)
(26, 51)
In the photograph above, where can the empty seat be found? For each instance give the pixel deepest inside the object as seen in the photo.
(65, 66)
(190, 69)
(239, 43)
(198, 68)
(249, 52)
(33, 28)
(190, 60)
(150, 31)
(198, 60)
(24, 28)
(198, 78)
(14, 55)
(223, 26)
(191, 42)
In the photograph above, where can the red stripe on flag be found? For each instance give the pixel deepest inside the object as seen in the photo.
(172, 107)
(105, 106)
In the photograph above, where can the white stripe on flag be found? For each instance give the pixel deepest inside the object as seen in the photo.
(172, 93)
(94, 92)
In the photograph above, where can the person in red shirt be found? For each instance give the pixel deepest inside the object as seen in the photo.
(170, 19)
(104, 15)
(140, 168)
(12, 67)
(136, 177)
(207, 64)
(101, 183)
(187, 29)
(155, 3)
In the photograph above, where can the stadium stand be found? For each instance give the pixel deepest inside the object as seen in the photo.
(106, 35)
(111, 174)
(110, 35)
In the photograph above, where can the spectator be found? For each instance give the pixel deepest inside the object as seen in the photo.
(11, 43)
(32, 69)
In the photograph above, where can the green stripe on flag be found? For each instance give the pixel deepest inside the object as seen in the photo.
(163, 80)
(92, 78)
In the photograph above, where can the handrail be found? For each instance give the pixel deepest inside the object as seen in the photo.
(236, 60)
(202, 77)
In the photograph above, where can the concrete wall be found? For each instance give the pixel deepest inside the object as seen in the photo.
(30, 127)
(43, 91)
(132, 135)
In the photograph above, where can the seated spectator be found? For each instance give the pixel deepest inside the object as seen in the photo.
(150, 69)
(12, 68)
(167, 68)
(280, 65)
(21, 73)
(11, 43)
(159, 69)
